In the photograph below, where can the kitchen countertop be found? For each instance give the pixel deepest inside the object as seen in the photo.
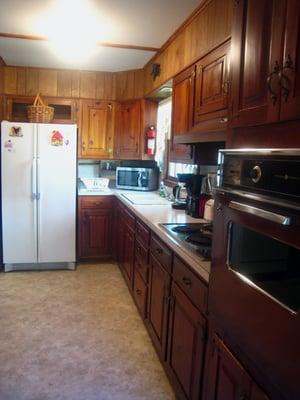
(153, 216)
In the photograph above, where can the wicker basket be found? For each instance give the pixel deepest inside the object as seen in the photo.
(39, 112)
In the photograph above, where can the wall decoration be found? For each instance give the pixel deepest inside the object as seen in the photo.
(155, 71)
(57, 139)
(16, 131)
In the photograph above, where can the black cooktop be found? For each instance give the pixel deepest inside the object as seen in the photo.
(196, 237)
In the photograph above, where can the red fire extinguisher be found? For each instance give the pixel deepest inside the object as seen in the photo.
(151, 136)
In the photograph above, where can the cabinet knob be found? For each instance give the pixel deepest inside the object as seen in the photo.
(158, 250)
(187, 281)
(138, 292)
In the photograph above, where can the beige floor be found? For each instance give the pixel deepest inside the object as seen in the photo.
(68, 335)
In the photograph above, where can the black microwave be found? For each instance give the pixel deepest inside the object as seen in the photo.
(137, 178)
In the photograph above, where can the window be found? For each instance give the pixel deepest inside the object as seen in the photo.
(164, 114)
(180, 168)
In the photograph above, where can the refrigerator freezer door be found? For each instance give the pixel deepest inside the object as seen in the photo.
(56, 176)
(18, 171)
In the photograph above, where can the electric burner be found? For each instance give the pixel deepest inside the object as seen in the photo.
(195, 237)
(198, 238)
(184, 229)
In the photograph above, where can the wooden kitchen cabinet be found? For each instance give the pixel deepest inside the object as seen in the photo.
(265, 67)
(182, 114)
(290, 75)
(158, 305)
(15, 108)
(226, 377)
(211, 87)
(97, 129)
(94, 227)
(125, 226)
(65, 110)
(128, 130)
(186, 344)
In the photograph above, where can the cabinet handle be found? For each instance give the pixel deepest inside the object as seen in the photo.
(158, 250)
(274, 73)
(109, 106)
(98, 203)
(136, 147)
(187, 281)
(225, 87)
(138, 292)
(283, 79)
(223, 120)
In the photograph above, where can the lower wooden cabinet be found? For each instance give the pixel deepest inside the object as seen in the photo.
(94, 227)
(159, 290)
(186, 344)
(140, 293)
(226, 379)
(128, 255)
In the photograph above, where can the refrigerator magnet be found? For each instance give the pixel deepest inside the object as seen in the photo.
(16, 131)
(9, 145)
(57, 139)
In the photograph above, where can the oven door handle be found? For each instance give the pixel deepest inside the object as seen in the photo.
(258, 212)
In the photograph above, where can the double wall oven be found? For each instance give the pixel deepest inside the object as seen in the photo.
(254, 296)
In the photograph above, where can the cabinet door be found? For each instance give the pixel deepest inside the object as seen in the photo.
(290, 76)
(128, 130)
(255, 60)
(182, 113)
(158, 305)
(97, 129)
(257, 393)
(16, 108)
(140, 293)
(64, 110)
(212, 82)
(227, 379)
(128, 255)
(94, 233)
(186, 344)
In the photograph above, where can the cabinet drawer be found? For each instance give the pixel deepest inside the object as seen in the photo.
(96, 201)
(140, 293)
(141, 252)
(162, 253)
(142, 232)
(193, 287)
(129, 219)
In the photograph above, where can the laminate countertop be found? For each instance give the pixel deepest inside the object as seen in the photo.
(155, 214)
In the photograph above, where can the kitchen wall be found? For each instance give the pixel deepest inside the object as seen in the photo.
(206, 29)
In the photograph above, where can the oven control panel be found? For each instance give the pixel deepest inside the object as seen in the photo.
(274, 175)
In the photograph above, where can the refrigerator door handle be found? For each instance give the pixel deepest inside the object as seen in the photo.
(38, 194)
(33, 179)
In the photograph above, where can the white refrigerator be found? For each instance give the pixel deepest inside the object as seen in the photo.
(38, 185)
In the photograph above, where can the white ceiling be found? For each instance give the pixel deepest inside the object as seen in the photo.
(132, 22)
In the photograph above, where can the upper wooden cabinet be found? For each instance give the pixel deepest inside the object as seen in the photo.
(97, 129)
(211, 87)
(200, 102)
(65, 110)
(265, 65)
(182, 113)
(128, 130)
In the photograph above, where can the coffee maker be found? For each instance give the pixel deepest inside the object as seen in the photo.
(192, 184)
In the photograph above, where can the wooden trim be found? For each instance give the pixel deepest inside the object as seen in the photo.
(180, 29)
(128, 46)
(103, 44)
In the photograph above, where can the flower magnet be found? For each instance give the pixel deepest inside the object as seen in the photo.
(57, 139)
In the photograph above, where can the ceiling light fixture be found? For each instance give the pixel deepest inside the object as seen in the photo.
(72, 27)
